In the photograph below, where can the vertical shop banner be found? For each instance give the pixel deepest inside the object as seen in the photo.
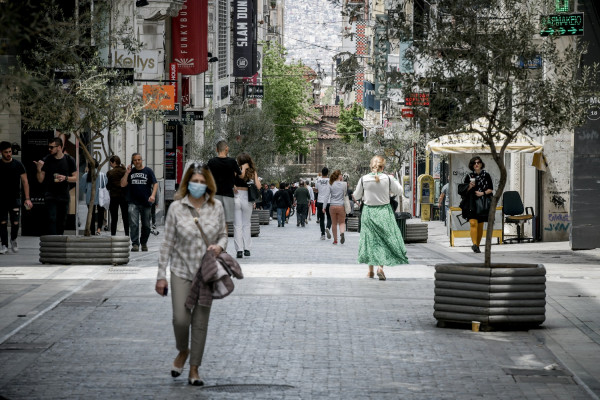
(244, 40)
(179, 163)
(190, 37)
(173, 70)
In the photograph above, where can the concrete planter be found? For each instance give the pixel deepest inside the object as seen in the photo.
(254, 226)
(85, 250)
(416, 233)
(502, 295)
(263, 216)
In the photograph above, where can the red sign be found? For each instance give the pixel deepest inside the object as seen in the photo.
(407, 113)
(417, 99)
(190, 37)
(173, 78)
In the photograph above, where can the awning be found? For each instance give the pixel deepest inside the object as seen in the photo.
(460, 143)
(472, 142)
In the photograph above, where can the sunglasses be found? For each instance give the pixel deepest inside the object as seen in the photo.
(477, 162)
(51, 147)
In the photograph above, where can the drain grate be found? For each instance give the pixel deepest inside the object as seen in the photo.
(540, 376)
(123, 270)
(25, 347)
(245, 388)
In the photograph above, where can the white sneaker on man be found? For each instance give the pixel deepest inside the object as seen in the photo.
(3, 249)
(14, 246)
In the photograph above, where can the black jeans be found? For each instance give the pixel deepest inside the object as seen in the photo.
(321, 217)
(301, 214)
(10, 208)
(57, 216)
(115, 204)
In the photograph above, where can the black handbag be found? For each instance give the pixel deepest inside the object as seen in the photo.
(482, 206)
(253, 193)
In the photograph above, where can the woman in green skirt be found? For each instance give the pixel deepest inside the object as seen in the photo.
(381, 241)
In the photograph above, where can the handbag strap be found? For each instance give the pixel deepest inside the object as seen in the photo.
(197, 222)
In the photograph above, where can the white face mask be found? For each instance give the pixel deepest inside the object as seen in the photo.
(196, 190)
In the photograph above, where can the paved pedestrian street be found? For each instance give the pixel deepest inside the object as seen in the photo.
(304, 323)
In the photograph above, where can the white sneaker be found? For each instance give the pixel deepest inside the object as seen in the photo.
(14, 246)
(3, 249)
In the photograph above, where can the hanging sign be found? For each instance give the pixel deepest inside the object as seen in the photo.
(562, 25)
(189, 32)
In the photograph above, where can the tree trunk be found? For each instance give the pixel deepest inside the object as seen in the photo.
(499, 158)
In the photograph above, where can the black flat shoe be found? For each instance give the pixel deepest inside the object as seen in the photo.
(195, 382)
(240, 254)
(247, 253)
(476, 248)
(175, 372)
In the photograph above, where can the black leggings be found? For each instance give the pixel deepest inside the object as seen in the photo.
(115, 204)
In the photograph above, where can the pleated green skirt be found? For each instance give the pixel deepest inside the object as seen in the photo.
(381, 241)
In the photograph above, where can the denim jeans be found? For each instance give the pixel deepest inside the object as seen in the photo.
(281, 216)
(57, 216)
(136, 213)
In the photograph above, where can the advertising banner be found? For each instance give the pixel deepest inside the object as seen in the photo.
(189, 37)
(161, 97)
(244, 40)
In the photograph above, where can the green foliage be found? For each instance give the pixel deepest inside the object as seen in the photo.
(468, 57)
(63, 83)
(349, 123)
(288, 99)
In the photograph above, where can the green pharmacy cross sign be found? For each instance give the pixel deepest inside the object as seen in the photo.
(562, 25)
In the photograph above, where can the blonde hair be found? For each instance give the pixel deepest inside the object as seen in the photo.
(377, 164)
(195, 168)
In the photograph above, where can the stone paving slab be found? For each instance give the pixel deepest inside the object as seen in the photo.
(304, 323)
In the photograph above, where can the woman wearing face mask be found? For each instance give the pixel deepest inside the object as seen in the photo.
(183, 249)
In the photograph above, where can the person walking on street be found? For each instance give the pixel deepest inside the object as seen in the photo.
(273, 209)
(322, 186)
(476, 184)
(301, 198)
(118, 198)
(444, 204)
(182, 249)
(242, 237)
(267, 198)
(337, 190)
(56, 171)
(381, 241)
(311, 202)
(13, 177)
(86, 184)
(282, 202)
(142, 193)
(224, 169)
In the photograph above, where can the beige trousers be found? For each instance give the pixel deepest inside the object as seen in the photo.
(184, 318)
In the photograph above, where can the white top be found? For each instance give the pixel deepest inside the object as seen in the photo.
(336, 193)
(322, 185)
(375, 193)
(310, 192)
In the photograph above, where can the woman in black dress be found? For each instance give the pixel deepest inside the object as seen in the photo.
(478, 183)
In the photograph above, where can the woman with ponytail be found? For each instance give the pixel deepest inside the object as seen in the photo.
(381, 241)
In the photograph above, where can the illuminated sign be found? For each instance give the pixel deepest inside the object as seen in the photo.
(561, 25)
(563, 5)
(417, 99)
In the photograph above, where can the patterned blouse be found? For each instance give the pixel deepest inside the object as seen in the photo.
(182, 247)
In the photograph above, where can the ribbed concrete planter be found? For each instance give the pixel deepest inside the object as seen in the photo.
(352, 224)
(263, 216)
(502, 295)
(416, 233)
(85, 250)
(254, 226)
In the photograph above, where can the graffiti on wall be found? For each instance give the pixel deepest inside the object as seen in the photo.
(558, 222)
